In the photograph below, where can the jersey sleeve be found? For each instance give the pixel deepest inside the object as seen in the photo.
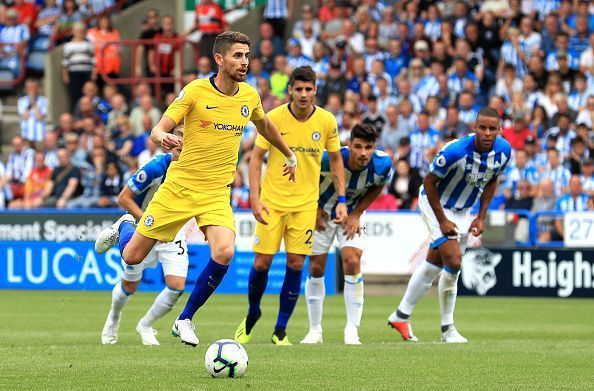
(384, 169)
(332, 139)
(182, 104)
(444, 160)
(143, 178)
(258, 111)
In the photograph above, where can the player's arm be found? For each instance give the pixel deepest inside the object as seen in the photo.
(258, 207)
(126, 201)
(161, 134)
(353, 223)
(269, 131)
(337, 170)
(448, 228)
(478, 224)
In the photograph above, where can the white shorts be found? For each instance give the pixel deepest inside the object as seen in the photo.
(461, 218)
(173, 257)
(323, 240)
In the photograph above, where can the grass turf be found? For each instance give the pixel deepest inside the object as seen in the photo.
(51, 340)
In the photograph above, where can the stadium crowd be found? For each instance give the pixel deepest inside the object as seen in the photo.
(418, 70)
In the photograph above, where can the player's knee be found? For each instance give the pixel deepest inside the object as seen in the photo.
(131, 257)
(295, 263)
(351, 265)
(223, 254)
(130, 286)
(453, 260)
(316, 269)
(176, 284)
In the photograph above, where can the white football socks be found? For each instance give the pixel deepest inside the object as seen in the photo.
(448, 290)
(119, 298)
(315, 292)
(353, 299)
(419, 284)
(164, 303)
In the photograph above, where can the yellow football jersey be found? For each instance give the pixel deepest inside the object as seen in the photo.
(307, 140)
(213, 127)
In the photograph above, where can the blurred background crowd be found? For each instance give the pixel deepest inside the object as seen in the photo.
(418, 70)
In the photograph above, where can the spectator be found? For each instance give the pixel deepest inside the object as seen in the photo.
(578, 42)
(391, 133)
(517, 134)
(556, 172)
(539, 122)
(240, 193)
(64, 184)
(63, 27)
(521, 200)
(118, 107)
(37, 180)
(267, 34)
(146, 108)
(77, 155)
(15, 37)
(162, 55)
(468, 109)
(405, 185)
(51, 150)
(511, 54)
(373, 116)
(47, 18)
(295, 58)
(453, 123)
(423, 142)
(78, 63)
(308, 40)
(437, 114)
(563, 135)
(111, 186)
(95, 7)
(509, 83)
(268, 100)
(277, 13)
(107, 56)
(587, 57)
(150, 152)
(577, 99)
(26, 13)
(574, 201)
(124, 140)
(150, 28)
(307, 16)
(519, 170)
(205, 68)
(335, 83)
(33, 110)
(65, 125)
(210, 21)
(545, 201)
(279, 78)
(19, 165)
(577, 155)
(588, 176)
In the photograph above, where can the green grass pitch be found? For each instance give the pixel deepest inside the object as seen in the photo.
(50, 340)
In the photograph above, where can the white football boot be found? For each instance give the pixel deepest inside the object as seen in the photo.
(109, 335)
(110, 236)
(314, 336)
(147, 334)
(184, 329)
(451, 335)
(351, 336)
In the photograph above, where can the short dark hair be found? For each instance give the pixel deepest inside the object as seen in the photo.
(304, 73)
(365, 132)
(225, 40)
(488, 112)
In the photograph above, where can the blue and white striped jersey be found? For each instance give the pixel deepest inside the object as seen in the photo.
(148, 178)
(560, 177)
(377, 173)
(514, 175)
(566, 203)
(511, 56)
(419, 143)
(32, 128)
(464, 171)
(587, 183)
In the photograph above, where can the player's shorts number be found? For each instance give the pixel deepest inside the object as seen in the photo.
(309, 234)
(182, 250)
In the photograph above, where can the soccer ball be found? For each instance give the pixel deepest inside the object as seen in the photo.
(226, 358)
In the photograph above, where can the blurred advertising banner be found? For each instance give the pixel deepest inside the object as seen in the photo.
(76, 266)
(554, 272)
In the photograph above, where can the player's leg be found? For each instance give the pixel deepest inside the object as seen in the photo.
(451, 254)
(353, 293)
(315, 293)
(174, 259)
(315, 289)
(221, 240)
(120, 295)
(267, 240)
(288, 297)
(298, 238)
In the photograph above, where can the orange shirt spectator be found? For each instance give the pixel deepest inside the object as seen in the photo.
(210, 18)
(107, 57)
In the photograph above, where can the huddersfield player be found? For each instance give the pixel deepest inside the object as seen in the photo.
(173, 256)
(367, 172)
(463, 172)
(215, 112)
(287, 210)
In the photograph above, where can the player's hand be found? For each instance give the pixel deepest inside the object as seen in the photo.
(448, 228)
(170, 141)
(477, 227)
(258, 209)
(321, 219)
(352, 226)
(341, 213)
(290, 167)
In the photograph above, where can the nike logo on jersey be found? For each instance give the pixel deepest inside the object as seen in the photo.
(282, 134)
(211, 107)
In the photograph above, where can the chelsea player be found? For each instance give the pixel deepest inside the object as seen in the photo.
(462, 173)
